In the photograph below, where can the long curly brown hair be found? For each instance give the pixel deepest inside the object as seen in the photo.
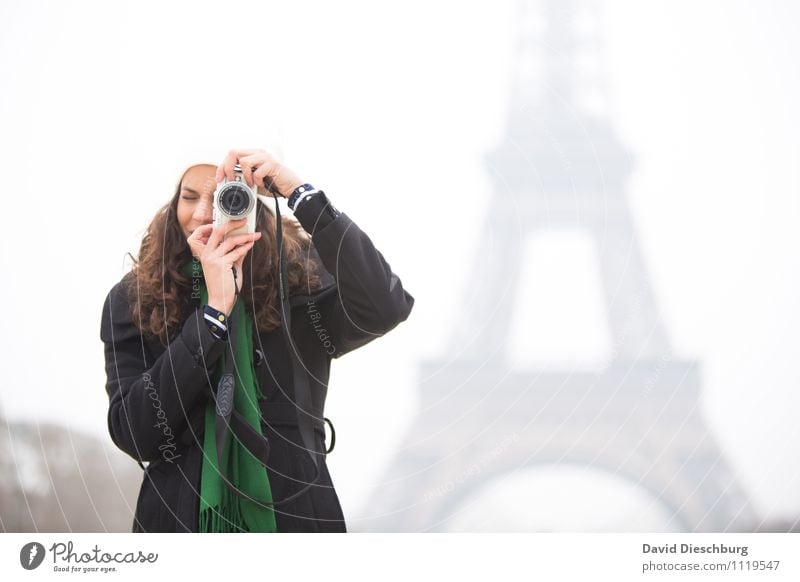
(160, 296)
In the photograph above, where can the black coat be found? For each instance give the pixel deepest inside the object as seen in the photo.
(157, 396)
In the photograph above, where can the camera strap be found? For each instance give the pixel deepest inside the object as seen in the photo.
(228, 419)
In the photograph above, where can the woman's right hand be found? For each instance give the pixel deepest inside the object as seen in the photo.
(218, 256)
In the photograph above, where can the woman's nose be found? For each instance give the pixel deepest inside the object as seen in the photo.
(203, 213)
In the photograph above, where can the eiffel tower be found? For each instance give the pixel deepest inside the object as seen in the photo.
(559, 166)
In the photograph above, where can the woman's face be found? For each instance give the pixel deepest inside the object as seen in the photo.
(195, 200)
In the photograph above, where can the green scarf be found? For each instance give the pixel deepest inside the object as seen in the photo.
(222, 510)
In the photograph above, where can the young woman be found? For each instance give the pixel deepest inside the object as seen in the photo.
(209, 383)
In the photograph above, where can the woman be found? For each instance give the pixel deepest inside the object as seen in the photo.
(201, 304)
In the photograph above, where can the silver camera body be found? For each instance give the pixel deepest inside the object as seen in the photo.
(234, 200)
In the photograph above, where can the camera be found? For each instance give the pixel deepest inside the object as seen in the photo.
(234, 200)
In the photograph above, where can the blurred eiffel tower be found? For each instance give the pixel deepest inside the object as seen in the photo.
(560, 165)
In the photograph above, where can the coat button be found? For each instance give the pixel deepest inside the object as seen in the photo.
(258, 357)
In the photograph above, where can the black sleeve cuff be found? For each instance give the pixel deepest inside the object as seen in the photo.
(216, 321)
(204, 347)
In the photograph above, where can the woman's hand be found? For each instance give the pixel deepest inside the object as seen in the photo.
(217, 256)
(256, 165)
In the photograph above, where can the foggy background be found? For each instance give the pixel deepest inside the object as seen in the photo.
(391, 109)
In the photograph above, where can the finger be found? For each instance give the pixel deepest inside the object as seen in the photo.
(220, 174)
(218, 233)
(248, 164)
(202, 231)
(247, 172)
(225, 169)
(232, 242)
(234, 157)
(268, 168)
(198, 239)
(238, 252)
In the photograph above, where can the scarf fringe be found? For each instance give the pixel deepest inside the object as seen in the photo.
(225, 519)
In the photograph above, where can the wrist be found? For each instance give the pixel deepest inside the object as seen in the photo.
(221, 306)
(293, 185)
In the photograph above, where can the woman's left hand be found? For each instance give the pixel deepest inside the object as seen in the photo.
(256, 165)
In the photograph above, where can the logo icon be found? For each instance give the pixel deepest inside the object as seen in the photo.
(31, 555)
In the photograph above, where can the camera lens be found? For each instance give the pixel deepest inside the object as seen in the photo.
(235, 200)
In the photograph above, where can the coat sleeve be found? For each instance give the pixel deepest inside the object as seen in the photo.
(370, 299)
(149, 402)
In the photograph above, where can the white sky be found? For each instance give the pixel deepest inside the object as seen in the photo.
(390, 109)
